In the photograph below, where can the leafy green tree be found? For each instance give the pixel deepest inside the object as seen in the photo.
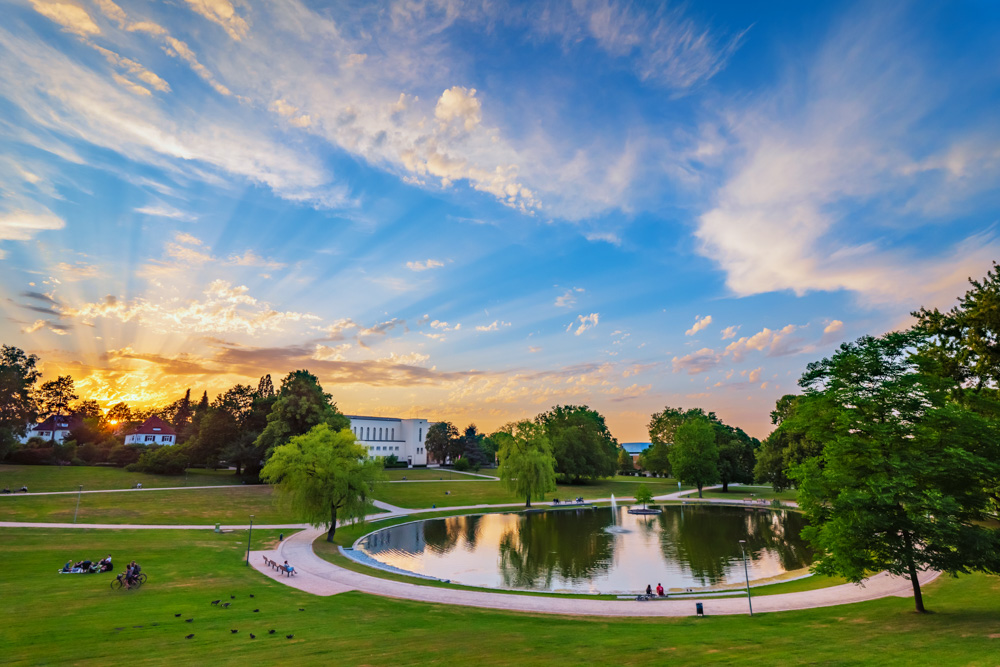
(656, 459)
(55, 396)
(663, 425)
(301, 405)
(443, 442)
(737, 455)
(217, 431)
(489, 447)
(905, 481)
(527, 467)
(581, 442)
(238, 401)
(643, 495)
(472, 450)
(118, 417)
(804, 426)
(87, 408)
(625, 463)
(964, 339)
(324, 474)
(17, 405)
(694, 456)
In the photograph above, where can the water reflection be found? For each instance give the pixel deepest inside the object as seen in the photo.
(684, 547)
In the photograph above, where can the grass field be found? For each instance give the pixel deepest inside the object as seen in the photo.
(232, 504)
(77, 619)
(740, 493)
(432, 473)
(69, 478)
(490, 493)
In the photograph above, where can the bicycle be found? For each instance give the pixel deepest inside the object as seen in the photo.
(119, 582)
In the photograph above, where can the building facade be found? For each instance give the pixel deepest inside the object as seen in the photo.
(154, 431)
(55, 428)
(386, 436)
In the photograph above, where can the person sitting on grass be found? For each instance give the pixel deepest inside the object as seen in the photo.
(68, 567)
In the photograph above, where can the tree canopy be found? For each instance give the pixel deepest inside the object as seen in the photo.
(905, 476)
(694, 456)
(54, 397)
(17, 406)
(582, 445)
(443, 442)
(527, 467)
(324, 475)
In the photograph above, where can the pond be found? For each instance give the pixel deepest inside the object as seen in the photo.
(597, 550)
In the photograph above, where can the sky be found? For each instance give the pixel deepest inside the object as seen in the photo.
(474, 211)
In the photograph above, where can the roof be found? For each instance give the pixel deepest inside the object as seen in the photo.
(377, 419)
(57, 423)
(154, 426)
(636, 447)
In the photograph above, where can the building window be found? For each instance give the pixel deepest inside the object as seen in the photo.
(421, 437)
(393, 434)
(380, 434)
(368, 433)
(150, 438)
(168, 438)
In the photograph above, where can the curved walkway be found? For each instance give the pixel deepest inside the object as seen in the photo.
(320, 577)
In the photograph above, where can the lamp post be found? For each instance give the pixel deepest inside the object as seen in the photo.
(77, 511)
(249, 536)
(746, 574)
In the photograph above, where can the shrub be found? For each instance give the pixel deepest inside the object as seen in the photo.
(462, 465)
(162, 461)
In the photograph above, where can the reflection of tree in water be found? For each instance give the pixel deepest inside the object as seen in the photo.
(706, 539)
(472, 526)
(570, 545)
(441, 535)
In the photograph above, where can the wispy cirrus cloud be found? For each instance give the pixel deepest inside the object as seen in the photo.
(583, 323)
(424, 266)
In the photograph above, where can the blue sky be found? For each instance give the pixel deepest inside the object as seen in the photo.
(474, 211)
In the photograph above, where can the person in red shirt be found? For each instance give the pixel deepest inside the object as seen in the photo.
(659, 590)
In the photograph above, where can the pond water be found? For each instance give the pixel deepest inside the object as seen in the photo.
(573, 550)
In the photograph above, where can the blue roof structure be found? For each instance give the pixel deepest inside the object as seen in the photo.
(634, 448)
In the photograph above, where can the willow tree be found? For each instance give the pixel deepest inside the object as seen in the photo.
(324, 475)
(527, 467)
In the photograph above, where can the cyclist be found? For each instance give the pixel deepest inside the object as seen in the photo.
(135, 570)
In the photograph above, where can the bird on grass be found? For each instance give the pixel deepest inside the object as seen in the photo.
(289, 636)
(256, 610)
(188, 620)
(301, 609)
(232, 597)
(216, 601)
(225, 605)
(270, 632)
(177, 615)
(253, 636)
(189, 636)
(234, 631)
(251, 595)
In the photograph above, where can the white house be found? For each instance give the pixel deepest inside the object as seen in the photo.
(154, 431)
(56, 428)
(386, 436)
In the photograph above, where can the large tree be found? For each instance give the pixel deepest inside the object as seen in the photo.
(301, 405)
(472, 449)
(581, 442)
(803, 427)
(17, 406)
(527, 467)
(694, 457)
(55, 396)
(663, 425)
(656, 459)
(218, 430)
(325, 475)
(905, 479)
(443, 442)
(737, 455)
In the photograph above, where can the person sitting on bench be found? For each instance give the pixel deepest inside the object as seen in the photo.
(659, 590)
(289, 570)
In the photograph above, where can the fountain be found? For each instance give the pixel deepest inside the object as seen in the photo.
(614, 527)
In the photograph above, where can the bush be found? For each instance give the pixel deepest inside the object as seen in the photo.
(162, 461)
(32, 456)
(462, 465)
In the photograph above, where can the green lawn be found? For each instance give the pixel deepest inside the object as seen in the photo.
(740, 493)
(233, 504)
(77, 619)
(491, 493)
(433, 473)
(69, 478)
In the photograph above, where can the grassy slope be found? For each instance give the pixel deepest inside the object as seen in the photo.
(737, 493)
(68, 478)
(489, 492)
(195, 506)
(73, 618)
(432, 473)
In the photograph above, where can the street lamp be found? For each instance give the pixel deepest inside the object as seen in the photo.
(746, 574)
(249, 536)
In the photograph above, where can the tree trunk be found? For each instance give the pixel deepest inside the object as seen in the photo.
(333, 523)
(699, 490)
(725, 487)
(918, 599)
(527, 500)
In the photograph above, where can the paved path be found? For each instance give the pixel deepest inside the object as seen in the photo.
(321, 577)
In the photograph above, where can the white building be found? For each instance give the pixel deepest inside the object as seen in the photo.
(154, 431)
(385, 436)
(55, 428)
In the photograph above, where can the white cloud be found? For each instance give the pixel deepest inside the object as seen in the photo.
(585, 322)
(568, 298)
(754, 375)
(730, 332)
(495, 326)
(162, 210)
(774, 343)
(697, 362)
(224, 14)
(250, 258)
(423, 266)
(833, 327)
(699, 325)
(70, 16)
(23, 225)
(459, 104)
